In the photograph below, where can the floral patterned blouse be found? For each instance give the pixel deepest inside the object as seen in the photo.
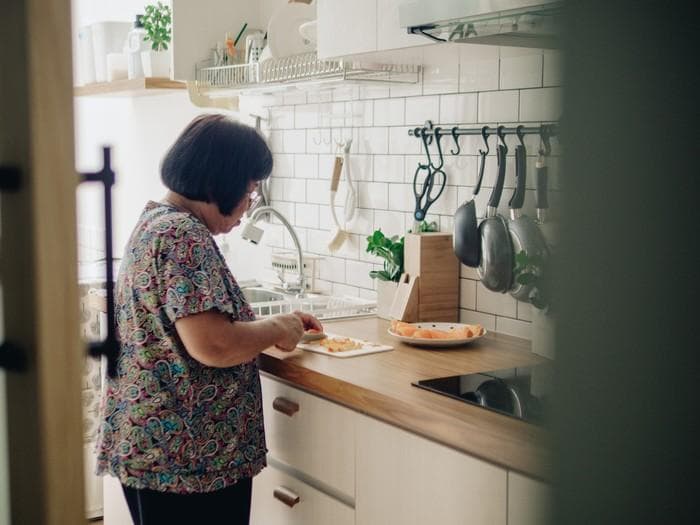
(170, 423)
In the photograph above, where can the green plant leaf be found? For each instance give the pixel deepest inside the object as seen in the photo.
(526, 278)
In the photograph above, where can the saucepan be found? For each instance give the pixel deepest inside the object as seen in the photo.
(524, 232)
(466, 240)
(496, 265)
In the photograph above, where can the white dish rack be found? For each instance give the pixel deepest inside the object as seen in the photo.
(321, 306)
(275, 73)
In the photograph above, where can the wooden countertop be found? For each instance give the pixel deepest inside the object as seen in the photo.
(379, 385)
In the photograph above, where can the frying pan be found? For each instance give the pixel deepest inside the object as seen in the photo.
(466, 240)
(496, 265)
(524, 232)
(497, 395)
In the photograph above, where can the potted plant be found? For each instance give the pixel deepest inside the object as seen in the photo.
(536, 271)
(391, 250)
(158, 25)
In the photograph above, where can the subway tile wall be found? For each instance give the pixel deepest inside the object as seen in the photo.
(461, 85)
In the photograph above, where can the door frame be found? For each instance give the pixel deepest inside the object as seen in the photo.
(39, 263)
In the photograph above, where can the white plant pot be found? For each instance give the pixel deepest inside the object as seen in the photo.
(156, 63)
(385, 296)
(543, 333)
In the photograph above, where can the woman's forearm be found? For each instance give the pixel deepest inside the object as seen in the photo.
(213, 340)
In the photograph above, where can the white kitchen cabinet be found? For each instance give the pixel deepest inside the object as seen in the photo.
(528, 501)
(116, 510)
(314, 436)
(282, 499)
(364, 26)
(404, 479)
(346, 28)
(198, 26)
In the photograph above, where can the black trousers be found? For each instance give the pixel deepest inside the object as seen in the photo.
(229, 506)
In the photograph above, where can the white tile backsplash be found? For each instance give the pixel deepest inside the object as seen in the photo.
(357, 274)
(374, 195)
(478, 68)
(306, 116)
(498, 106)
(520, 68)
(420, 109)
(495, 303)
(294, 141)
(306, 166)
(373, 140)
(465, 85)
(388, 168)
(458, 109)
(441, 69)
(540, 104)
(389, 112)
(401, 143)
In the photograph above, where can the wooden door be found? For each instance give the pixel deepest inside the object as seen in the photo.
(38, 265)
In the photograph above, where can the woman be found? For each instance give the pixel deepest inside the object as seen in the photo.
(182, 421)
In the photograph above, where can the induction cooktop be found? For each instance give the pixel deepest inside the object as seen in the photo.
(522, 392)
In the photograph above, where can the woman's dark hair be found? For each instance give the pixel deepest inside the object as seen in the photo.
(214, 159)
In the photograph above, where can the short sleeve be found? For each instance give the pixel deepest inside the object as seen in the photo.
(192, 276)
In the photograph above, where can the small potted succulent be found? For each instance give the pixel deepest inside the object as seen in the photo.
(157, 21)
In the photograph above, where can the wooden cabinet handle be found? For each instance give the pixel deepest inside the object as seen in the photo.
(286, 496)
(286, 406)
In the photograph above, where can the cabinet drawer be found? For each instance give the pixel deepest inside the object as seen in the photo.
(281, 499)
(310, 434)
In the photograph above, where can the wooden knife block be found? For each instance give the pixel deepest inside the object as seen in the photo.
(430, 257)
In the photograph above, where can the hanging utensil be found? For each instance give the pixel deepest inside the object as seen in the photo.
(466, 238)
(339, 235)
(351, 196)
(524, 233)
(427, 192)
(433, 185)
(496, 265)
(548, 228)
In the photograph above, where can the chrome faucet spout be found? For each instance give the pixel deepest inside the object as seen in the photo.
(253, 234)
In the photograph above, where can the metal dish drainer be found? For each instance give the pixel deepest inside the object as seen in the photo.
(306, 67)
(323, 307)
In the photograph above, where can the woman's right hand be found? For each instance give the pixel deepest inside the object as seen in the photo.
(292, 329)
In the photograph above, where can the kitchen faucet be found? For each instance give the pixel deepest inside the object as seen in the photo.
(253, 234)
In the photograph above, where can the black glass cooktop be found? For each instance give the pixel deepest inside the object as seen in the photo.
(522, 392)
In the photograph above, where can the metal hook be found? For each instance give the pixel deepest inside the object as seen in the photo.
(424, 136)
(485, 136)
(520, 134)
(544, 141)
(456, 139)
(501, 136)
(437, 141)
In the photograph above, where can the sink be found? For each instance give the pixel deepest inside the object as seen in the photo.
(261, 295)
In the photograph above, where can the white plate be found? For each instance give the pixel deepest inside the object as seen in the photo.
(367, 347)
(436, 343)
(283, 37)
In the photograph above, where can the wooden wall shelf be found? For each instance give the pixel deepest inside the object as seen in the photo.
(129, 88)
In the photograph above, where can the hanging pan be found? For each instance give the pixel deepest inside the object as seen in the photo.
(496, 266)
(524, 232)
(466, 238)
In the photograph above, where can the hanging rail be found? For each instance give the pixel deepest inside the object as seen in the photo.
(550, 129)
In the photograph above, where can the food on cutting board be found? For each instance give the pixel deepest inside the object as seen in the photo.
(411, 330)
(312, 335)
(339, 344)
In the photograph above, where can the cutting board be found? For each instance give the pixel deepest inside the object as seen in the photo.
(367, 347)
(405, 305)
